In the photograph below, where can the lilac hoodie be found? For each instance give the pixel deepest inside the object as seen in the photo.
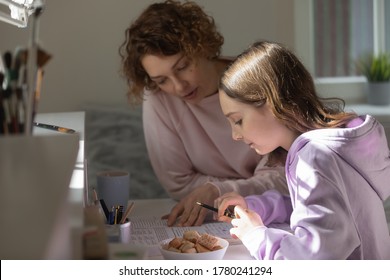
(338, 179)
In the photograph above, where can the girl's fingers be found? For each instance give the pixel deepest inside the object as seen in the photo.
(234, 222)
(240, 212)
(226, 201)
(234, 233)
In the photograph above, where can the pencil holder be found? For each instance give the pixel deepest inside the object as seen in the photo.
(119, 233)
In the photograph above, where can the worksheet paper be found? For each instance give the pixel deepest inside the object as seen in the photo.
(152, 230)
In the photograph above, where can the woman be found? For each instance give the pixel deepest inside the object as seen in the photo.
(337, 166)
(171, 62)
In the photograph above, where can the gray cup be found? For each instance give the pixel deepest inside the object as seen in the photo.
(114, 187)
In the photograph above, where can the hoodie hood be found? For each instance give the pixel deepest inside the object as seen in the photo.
(362, 144)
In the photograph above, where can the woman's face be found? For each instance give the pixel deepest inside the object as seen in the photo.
(256, 126)
(189, 80)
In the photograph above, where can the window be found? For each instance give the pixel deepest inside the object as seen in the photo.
(331, 35)
(342, 33)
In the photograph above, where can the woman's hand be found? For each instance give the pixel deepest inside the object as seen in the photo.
(246, 220)
(227, 201)
(187, 212)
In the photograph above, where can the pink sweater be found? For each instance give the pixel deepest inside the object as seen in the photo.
(190, 145)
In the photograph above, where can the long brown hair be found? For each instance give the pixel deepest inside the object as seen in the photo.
(270, 72)
(166, 28)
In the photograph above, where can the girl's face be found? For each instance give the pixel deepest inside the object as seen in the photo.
(190, 80)
(257, 127)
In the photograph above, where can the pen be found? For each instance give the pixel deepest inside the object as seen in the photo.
(227, 212)
(54, 127)
(105, 209)
(118, 213)
(128, 210)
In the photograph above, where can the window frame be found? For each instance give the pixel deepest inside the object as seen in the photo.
(351, 89)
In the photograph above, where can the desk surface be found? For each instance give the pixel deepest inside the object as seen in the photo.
(73, 120)
(156, 207)
(76, 121)
(35, 175)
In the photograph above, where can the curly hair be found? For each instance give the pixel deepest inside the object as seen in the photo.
(269, 72)
(166, 28)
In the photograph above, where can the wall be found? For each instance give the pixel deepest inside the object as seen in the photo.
(84, 36)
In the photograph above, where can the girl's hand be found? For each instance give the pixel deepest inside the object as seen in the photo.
(226, 202)
(246, 220)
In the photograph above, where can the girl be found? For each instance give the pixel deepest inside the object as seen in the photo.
(337, 164)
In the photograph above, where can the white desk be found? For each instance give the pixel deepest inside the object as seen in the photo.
(35, 176)
(76, 121)
(156, 207)
(73, 120)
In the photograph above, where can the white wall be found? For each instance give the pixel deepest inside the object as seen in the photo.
(84, 36)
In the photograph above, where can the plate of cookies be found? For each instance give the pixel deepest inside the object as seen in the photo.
(194, 246)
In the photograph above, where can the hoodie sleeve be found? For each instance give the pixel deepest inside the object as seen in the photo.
(272, 206)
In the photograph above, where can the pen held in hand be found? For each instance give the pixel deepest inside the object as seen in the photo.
(54, 127)
(227, 213)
